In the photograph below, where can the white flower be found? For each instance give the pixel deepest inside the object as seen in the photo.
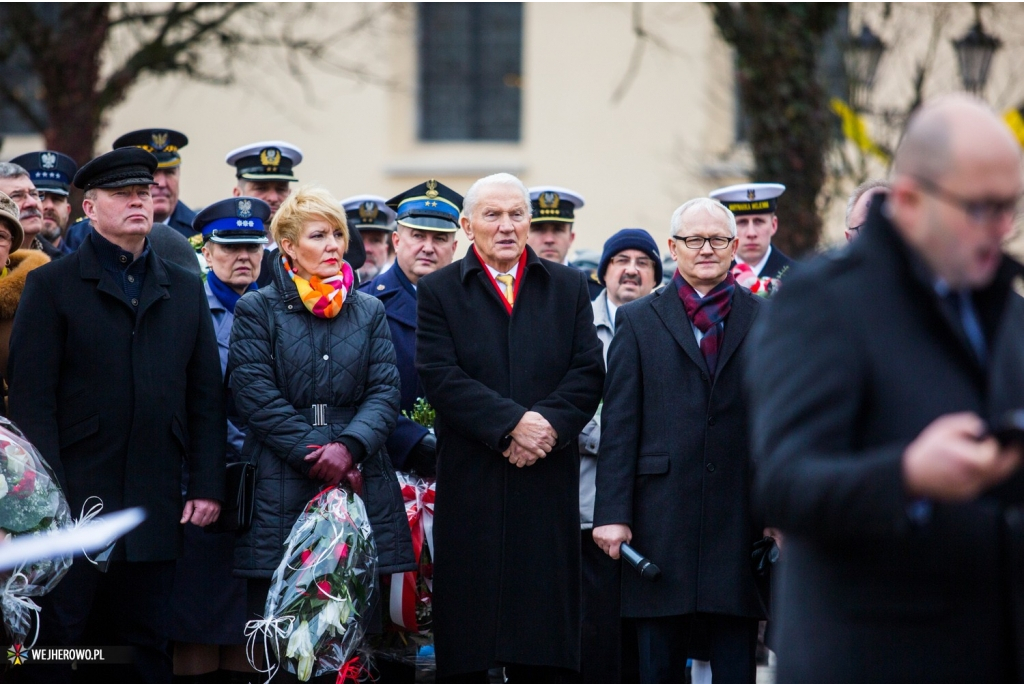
(331, 617)
(3, 486)
(17, 459)
(300, 645)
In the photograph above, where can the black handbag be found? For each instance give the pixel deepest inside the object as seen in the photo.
(239, 493)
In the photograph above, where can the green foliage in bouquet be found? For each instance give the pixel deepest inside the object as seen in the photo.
(422, 413)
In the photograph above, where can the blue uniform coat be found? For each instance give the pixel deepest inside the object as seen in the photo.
(400, 307)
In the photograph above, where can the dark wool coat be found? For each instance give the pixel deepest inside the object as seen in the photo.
(400, 306)
(674, 462)
(777, 262)
(283, 360)
(856, 357)
(507, 564)
(116, 401)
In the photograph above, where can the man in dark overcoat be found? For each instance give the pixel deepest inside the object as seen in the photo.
(673, 474)
(878, 369)
(510, 360)
(114, 376)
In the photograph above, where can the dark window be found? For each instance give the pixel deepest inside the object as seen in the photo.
(470, 61)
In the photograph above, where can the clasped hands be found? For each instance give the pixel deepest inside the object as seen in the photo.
(333, 464)
(532, 439)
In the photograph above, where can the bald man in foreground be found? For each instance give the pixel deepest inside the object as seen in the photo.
(901, 514)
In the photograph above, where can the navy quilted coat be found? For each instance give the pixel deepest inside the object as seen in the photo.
(284, 360)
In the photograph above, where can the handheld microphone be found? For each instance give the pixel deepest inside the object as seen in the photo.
(644, 566)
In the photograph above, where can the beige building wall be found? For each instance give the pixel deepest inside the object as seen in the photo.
(669, 137)
(633, 160)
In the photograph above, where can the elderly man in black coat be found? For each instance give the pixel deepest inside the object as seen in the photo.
(510, 360)
(115, 377)
(673, 475)
(879, 369)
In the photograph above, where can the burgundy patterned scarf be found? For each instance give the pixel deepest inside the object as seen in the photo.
(707, 314)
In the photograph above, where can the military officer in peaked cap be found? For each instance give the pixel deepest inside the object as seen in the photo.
(51, 173)
(208, 604)
(375, 222)
(551, 226)
(165, 145)
(753, 204)
(426, 219)
(265, 170)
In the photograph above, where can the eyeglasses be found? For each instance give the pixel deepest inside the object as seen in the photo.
(696, 242)
(56, 198)
(19, 195)
(624, 262)
(978, 211)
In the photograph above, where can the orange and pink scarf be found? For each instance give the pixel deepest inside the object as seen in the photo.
(322, 297)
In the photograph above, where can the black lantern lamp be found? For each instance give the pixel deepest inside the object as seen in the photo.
(861, 56)
(974, 53)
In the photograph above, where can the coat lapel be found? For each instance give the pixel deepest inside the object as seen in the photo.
(154, 287)
(670, 309)
(737, 324)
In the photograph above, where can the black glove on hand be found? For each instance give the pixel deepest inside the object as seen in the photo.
(423, 457)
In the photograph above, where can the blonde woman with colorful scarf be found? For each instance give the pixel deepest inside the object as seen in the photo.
(313, 373)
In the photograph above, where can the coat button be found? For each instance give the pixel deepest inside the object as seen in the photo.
(289, 306)
(123, 259)
(711, 420)
(131, 279)
(135, 302)
(711, 467)
(326, 357)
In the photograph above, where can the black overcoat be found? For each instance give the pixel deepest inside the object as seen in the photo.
(507, 563)
(116, 401)
(674, 459)
(857, 356)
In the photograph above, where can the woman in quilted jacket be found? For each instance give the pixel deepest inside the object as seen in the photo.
(313, 373)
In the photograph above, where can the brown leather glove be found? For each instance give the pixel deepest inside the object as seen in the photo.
(333, 464)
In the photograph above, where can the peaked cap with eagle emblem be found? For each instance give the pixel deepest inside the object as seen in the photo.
(552, 203)
(235, 220)
(368, 213)
(430, 206)
(51, 172)
(162, 143)
(270, 160)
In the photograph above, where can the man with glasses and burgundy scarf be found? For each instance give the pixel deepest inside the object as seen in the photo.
(673, 475)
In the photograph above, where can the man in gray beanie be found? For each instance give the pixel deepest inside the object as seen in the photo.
(630, 268)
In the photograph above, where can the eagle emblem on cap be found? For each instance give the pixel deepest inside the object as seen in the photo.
(159, 140)
(243, 209)
(549, 200)
(751, 194)
(270, 157)
(431, 189)
(48, 160)
(368, 211)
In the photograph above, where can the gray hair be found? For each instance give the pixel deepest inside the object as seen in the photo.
(12, 170)
(708, 205)
(472, 198)
(859, 192)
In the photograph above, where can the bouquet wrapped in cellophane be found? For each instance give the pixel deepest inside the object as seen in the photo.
(31, 503)
(407, 636)
(318, 606)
